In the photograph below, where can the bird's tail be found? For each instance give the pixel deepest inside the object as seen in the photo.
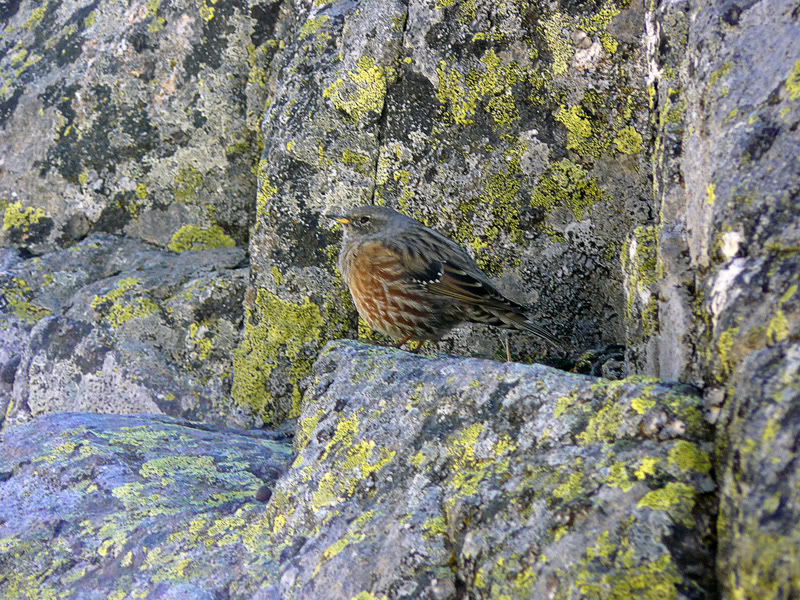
(511, 316)
(518, 320)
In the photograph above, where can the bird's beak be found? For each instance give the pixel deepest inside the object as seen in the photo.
(339, 218)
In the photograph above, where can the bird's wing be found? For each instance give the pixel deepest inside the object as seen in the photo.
(466, 286)
(441, 267)
(444, 278)
(448, 272)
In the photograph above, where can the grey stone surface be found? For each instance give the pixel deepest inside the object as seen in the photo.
(116, 325)
(99, 506)
(411, 478)
(630, 170)
(724, 269)
(131, 118)
(518, 129)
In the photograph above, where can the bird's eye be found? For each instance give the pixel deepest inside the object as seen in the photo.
(364, 220)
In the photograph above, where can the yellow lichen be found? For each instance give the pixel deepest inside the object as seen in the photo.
(711, 195)
(274, 330)
(678, 499)
(793, 82)
(119, 306)
(557, 42)
(628, 141)
(366, 90)
(688, 457)
(191, 237)
(15, 216)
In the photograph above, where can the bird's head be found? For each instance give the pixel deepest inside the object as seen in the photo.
(369, 220)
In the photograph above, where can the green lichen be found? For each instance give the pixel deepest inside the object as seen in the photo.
(435, 527)
(15, 216)
(362, 163)
(305, 428)
(618, 477)
(206, 11)
(187, 182)
(650, 321)
(118, 306)
(778, 328)
(568, 185)
(647, 467)
(558, 43)
(493, 83)
(18, 57)
(763, 563)
(355, 533)
(688, 457)
(18, 296)
(600, 20)
(364, 92)
(468, 470)
(646, 580)
(36, 17)
(678, 499)
(257, 75)
(201, 344)
(628, 141)
(354, 462)
(266, 191)
(571, 488)
(579, 129)
(367, 596)
(274, 330)
(603, 424)
(793, 82)
(644, 402)
(311, 26)
(610, 45)
(720, 73)
(466, 9)
(725, 344)
(191, 237)
(151, 12)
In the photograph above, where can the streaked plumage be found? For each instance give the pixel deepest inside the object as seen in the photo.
(412, 283)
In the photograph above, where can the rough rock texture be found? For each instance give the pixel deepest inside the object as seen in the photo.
(413, 479)
(518, 129)
(718, 275)
(631, 170)
(109, 506)
(116, 325)
(138, 118)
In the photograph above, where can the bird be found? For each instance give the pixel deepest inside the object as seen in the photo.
(412, 283)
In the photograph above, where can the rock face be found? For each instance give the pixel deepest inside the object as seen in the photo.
(99, 506)
(516, 129)
(412, 478)
(116, 325)
(630, 171)
(131, 118)
(727, 82)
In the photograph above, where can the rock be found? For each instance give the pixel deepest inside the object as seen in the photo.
(494, 479)
(723, 307)
(450, 478)
(115, 325)
(498, 125)
(628, 170)
(91, 502)
(139, 119)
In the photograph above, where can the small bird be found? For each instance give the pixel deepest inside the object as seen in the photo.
(412, 283)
